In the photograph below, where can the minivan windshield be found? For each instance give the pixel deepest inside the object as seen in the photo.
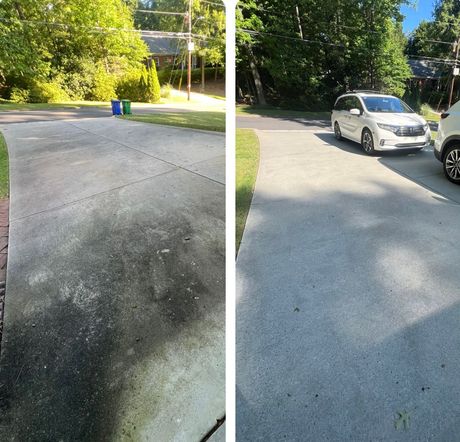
(387, 104)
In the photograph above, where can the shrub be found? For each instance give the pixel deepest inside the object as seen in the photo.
(164, 75)
(166, 90)
(19, 95)
(140, 85)
(103, 87)
(152, 91)
(128, 86)
(78, 85)
(47, 92)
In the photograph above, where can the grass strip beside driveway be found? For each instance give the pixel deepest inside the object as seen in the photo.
(213, 121)
(4, 187)
(247, 164)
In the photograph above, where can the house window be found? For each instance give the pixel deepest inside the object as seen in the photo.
(157, 61)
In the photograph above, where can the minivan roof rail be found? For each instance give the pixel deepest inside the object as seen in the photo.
(367, 91)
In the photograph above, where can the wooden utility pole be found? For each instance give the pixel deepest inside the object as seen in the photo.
(454, 71)
(190, 49)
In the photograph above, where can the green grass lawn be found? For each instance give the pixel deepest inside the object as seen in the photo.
(430, 115)
(214, 121)
(269, 111)
(4, 188)
(247, 164)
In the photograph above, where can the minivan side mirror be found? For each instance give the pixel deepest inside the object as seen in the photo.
(355, 112)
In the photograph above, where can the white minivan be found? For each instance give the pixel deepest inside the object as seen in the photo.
(379, 122)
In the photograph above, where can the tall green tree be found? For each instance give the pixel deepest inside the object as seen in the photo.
(308, 51)
(435, 38)
(67, 42)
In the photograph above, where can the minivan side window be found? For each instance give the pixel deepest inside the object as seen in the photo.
(357, 104)
(340, 104)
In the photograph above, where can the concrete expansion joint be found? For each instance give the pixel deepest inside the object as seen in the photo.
(146, 154)
(214, 429)
(95, 195)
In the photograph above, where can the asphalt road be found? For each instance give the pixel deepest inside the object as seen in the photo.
(271, 123)
(347, 296)
(24, 116)
(115, 306)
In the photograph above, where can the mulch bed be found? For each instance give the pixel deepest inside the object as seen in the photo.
(4, 226)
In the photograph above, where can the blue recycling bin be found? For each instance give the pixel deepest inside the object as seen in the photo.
(116, 107)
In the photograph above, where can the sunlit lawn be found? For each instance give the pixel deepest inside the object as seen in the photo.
(213, 121)
(247, 164)
(3, 168)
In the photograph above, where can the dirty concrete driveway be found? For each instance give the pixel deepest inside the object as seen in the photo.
(114, 321)
(348, 298)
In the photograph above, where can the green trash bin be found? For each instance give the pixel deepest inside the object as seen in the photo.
(126, 107)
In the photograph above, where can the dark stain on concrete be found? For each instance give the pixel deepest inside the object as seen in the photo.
(123, 285)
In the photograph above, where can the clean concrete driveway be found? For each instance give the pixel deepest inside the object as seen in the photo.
(348, 299)
(114, 321)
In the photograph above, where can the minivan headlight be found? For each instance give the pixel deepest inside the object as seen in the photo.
(389, 127)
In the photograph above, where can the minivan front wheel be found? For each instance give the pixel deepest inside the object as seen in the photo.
(452, 164)
(367, 141)
(337, 131)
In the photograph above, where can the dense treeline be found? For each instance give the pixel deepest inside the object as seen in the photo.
(351, 44)
(90, 49)
(53, 51)
(348, 44)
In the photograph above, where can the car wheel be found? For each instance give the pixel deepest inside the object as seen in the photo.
(451, 164)
(367, 141)
(337, 131)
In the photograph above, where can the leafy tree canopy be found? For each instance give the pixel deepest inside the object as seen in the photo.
(347, 44)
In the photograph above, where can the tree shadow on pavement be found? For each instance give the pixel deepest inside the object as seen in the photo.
(347, 315)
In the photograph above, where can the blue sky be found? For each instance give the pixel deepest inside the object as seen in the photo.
(421, 10)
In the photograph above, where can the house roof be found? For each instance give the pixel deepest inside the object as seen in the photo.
(162, 46)
(427, 69)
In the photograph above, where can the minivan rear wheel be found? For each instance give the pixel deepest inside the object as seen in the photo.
(367, 141)
(451, 164)
(337, 131)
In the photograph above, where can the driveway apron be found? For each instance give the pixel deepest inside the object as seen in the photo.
(115, 306)
(348, 299)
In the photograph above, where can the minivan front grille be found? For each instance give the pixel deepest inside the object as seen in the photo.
(410, 131)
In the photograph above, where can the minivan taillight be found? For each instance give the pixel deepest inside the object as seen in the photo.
(444, 115)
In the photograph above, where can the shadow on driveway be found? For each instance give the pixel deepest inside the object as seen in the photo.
(348, 311)
(279, 123)
(421, 167)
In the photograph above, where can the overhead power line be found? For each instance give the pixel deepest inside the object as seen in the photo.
(433, 59)
(144, 32)
(303, 40)
(431, 41)
(147, 11)
(213, 3)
